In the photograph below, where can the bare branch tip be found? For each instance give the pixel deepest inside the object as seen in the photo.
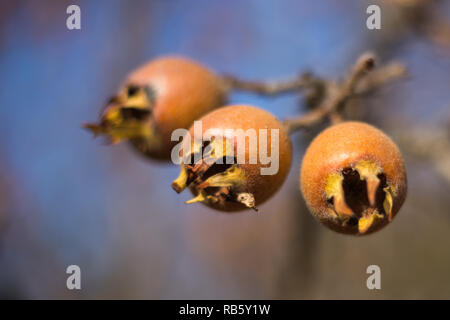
(367, 61)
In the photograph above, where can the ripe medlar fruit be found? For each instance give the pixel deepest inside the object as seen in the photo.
(353, 178)
(163, 95)
(232, 171)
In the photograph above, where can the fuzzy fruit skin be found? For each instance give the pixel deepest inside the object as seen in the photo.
(184, 91)
(342, 146)
(249, 117)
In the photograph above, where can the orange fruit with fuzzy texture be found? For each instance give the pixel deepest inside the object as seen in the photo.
(234, 187)
(353, 178)
(165, 94)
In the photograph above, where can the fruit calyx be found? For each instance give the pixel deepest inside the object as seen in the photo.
(127, 115)
(359, 196)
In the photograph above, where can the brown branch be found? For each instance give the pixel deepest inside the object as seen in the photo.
(337, 96)
(358, 82)
(326, 99)
(303, 81)
(381, 76)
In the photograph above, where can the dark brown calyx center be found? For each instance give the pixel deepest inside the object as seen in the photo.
(127, 116)
(356, 193)
(216, 178)
(359, 196)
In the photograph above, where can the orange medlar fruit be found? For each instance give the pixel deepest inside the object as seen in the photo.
(243, 160)
(353, 178)
(165, 94)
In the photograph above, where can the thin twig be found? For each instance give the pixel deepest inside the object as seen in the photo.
(359, 81)
(336, 99)
(379, 77)
(303, 81)
(325, 98)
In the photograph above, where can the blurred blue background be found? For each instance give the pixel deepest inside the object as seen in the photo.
(67, 199)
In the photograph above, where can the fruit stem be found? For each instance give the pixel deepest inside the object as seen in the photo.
(303, 81)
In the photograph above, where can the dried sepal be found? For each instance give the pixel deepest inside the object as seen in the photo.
(218, 187)
(231, 177)
(125, 117)
(212, 167)
(180, 183)
(365, 213)
(369, 171)
(335, 193)
(247, 199)
(202, 197)
(368, 221)
(388, 202)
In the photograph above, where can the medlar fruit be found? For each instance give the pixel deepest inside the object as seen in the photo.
(243, 162)
(165, 94)
(353, 178)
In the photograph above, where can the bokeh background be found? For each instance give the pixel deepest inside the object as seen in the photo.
(66, 199)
